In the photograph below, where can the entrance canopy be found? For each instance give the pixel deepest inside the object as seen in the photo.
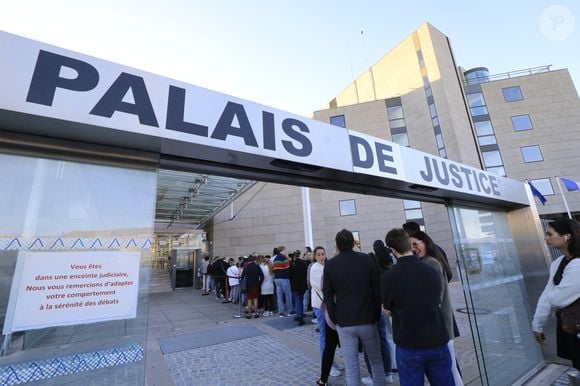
(51, 92)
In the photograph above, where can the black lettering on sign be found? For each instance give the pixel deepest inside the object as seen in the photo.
(112, 100)
(384, 155)
(269, 130)
(225, 126)
(288, 126)
(46, 77)
(357, 144)
(176, 113)
(475, 180)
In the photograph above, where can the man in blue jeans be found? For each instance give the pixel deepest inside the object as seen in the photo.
(352, 297)
(412, 291)
(282, 274)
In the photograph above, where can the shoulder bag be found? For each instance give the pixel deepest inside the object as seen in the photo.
(570, 318)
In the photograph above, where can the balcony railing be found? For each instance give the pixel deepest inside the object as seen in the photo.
(508, 75)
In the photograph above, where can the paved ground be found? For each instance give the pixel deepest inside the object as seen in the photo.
(281, 354)
(278, 353)
(190, 339)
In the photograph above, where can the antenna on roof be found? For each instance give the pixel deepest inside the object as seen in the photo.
(362, 36)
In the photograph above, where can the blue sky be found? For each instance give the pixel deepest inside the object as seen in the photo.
(296, 55)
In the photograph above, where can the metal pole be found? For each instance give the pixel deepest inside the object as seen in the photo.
(308, 239)
(564, 198)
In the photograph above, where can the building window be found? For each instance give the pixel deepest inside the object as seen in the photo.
(395, 112)
(401, 138)
(413, 210)
(396, 123)
(338, 120)
(486, 140)
(492, 158)
(347, 207)
(522, 122)
(512, 94)
(476, 104)
(532, 153)
(500, 170)
(483, 128)
(544, 185)
(432, 110)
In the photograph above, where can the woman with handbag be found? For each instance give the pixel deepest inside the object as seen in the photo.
(562, 289)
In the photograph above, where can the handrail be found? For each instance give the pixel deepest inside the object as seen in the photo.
(508, 75)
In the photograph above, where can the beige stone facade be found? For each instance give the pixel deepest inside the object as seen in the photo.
(272, 214)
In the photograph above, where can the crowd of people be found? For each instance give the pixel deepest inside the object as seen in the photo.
(391, 304)
(264, 284)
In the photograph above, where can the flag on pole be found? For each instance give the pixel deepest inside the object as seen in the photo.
(571, 185)
(537, 193)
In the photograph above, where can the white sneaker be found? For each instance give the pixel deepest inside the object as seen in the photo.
(314, 321)
(389, 378)
(338, 366)
(367, 381)
(334, 372)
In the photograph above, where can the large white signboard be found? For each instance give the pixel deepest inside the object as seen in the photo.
(46, 81)
(53, 82)
(66, 288)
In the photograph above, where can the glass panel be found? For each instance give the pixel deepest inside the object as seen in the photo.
(70, 212)
(347, 207)
(497, 170)
(435, 121)
(338, 120)
(544, 185)
(498, 307)
(356, 236)
(401, 138)
(492, 158)
(522, 122)
(487, 140)
(475, 99)
(439, 140)
(481, 110)
(442, 153)
(411, 204)
(413, 214)
(511, 94)
(532, 153)
(432, 110)
(483, 128)
(395, 112)
(428, 91)
(396, 123)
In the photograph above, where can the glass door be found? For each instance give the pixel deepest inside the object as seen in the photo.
(499, 311)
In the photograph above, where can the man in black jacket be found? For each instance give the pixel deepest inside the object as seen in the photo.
(299, 286)
(412, 291)
(351, 288)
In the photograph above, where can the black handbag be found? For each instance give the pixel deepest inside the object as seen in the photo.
(570, 318)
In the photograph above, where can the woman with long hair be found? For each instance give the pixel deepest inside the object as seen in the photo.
(562, 289)
(328, 334)
(267, 289)
(426, 249)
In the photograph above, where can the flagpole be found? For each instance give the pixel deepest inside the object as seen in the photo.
(563, 197)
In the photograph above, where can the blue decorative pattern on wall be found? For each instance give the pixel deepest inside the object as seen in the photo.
(50, 368)
(76, 243)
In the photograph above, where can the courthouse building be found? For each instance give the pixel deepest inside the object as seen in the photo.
(523, 124)
(98, 190)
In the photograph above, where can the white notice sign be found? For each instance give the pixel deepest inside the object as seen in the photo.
(67, 288)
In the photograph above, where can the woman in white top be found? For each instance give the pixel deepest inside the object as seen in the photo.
(267, 288)
(315, 279)
(233, 275)
(563, 287)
